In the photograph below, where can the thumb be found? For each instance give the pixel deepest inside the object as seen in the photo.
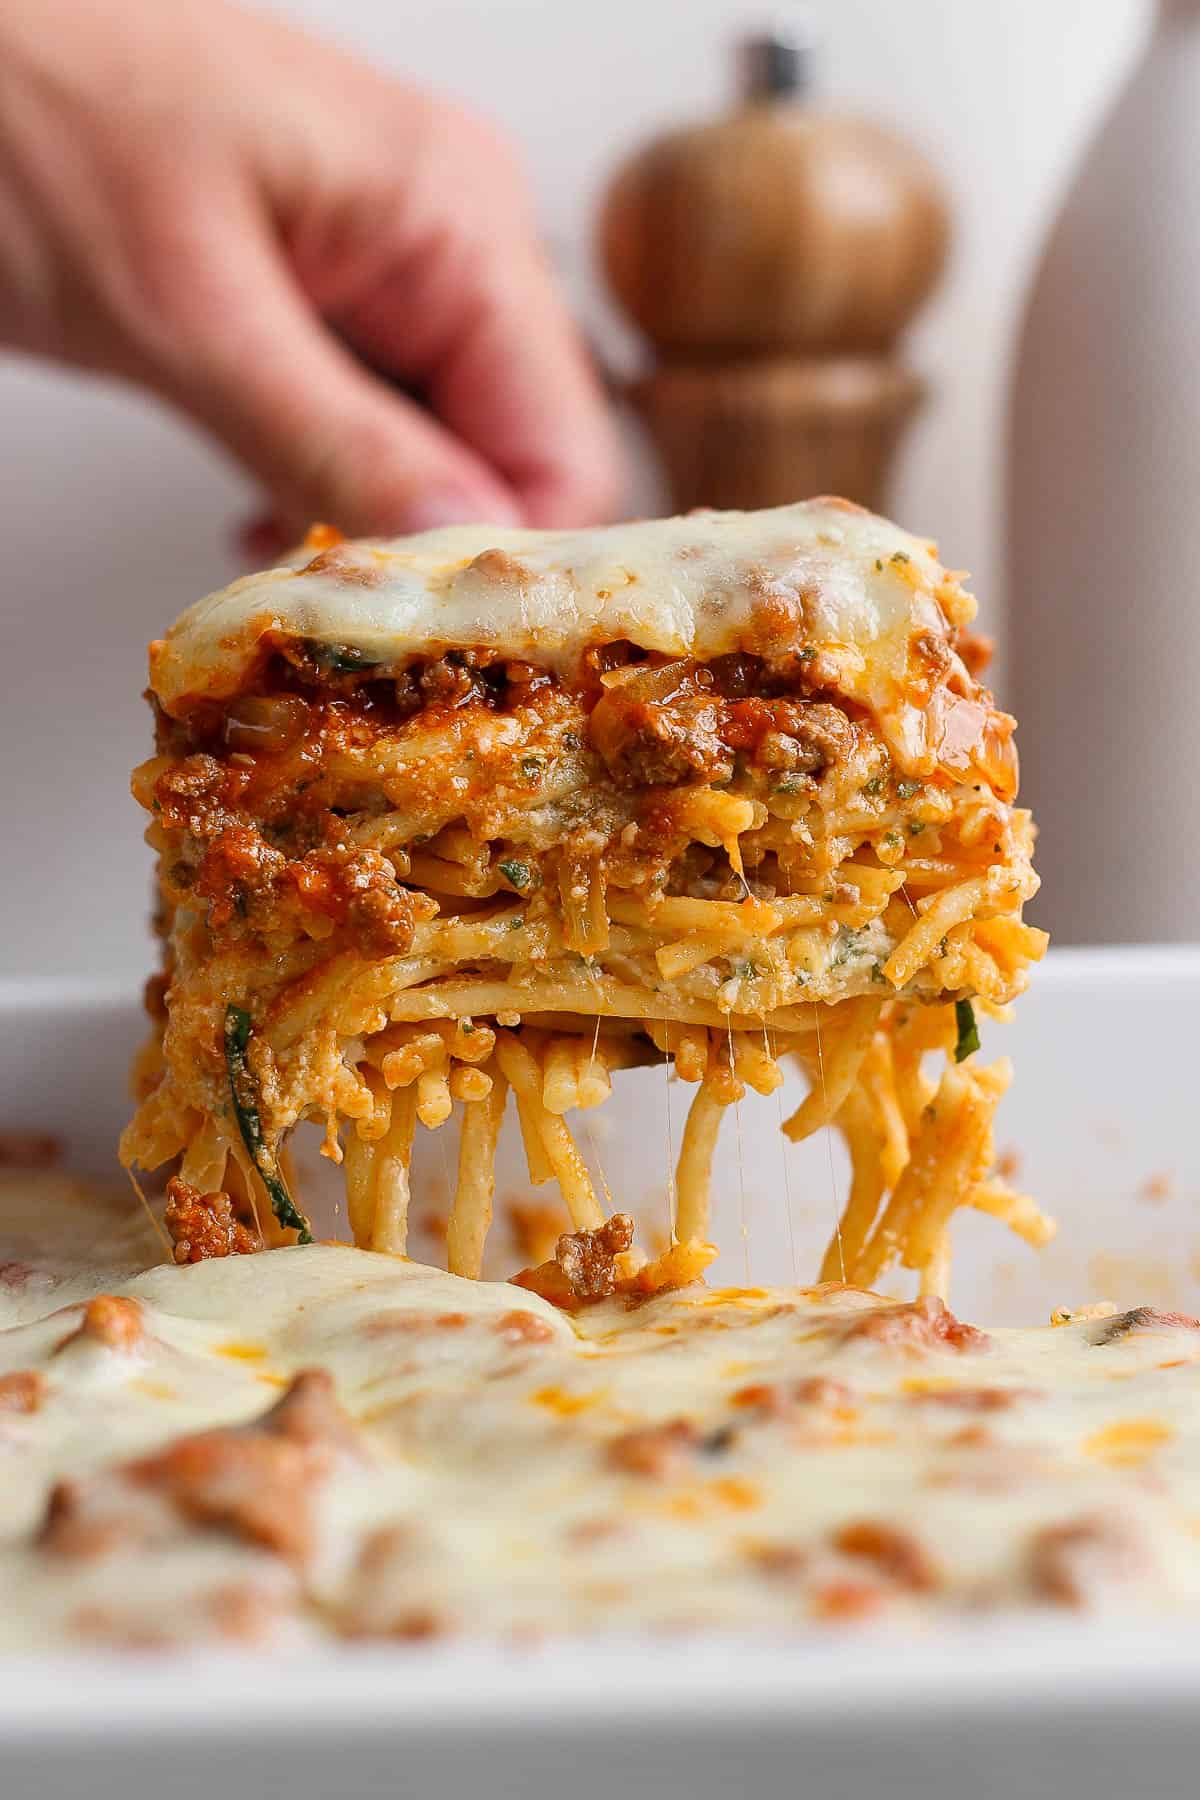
(328, 440)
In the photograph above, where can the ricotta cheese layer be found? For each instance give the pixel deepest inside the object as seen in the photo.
(324, 1441)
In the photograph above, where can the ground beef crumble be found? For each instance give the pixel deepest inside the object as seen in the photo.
(22, 1391)
(895, 1554)
(1070, 1564)
(584, 1265)
(924, 1324)
(204, 1225)
(257, 1482)
(656, 1451)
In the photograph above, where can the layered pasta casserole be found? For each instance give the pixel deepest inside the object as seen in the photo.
(485, 815)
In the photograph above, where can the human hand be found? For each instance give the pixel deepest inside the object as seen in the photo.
(207, 202)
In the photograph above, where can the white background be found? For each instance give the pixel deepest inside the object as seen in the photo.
(114, 516)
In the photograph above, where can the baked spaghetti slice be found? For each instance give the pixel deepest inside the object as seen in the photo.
(486, 813)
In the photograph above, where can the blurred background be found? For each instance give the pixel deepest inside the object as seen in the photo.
(115, 515)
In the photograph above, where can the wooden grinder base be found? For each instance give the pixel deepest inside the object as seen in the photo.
(762, 431)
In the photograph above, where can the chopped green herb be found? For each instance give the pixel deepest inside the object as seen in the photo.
(516, 922)
(899, 556)
(877, 974)
(968, 1030)
(791, 783)
(519, 874)
(916, 827)
(874, 786)
(906, 789)
(467, 1027)
(807, 654)
(346, 661)
(892, 838)
(879, 562)
(340, 659)
(532, 768)
(246, 1108)
(847, 946)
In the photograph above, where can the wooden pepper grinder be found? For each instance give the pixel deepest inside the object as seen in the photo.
(772, 258)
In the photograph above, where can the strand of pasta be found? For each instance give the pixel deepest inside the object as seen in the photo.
(358, 1178)
(473, 996)
(578, 1075)
(858, 1122)
(1020, 1212)
(754, 1063)
(950, 1155)
(471, 1213)
(878, 1077)
(687, 1045)
(537, 1160)
(524, 1075)
(934, 1272)
(951, 1149)
(161, 1129)
(689, 953)
(204, 1160)
(244, 1185)
(719, 1089)
(844, 1050)
(693, 1171)
(393, 1187)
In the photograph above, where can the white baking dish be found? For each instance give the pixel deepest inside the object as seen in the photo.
(1102, 1117)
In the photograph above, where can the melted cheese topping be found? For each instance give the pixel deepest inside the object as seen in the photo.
(823, 573)
(482, 1464)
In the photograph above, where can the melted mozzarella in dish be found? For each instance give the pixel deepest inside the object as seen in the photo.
(325, 1441)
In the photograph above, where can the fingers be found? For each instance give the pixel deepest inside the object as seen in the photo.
(517, 386)
(468, 308)
(262, 540)
(211, 225)
(509, 377)
(328, 440)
